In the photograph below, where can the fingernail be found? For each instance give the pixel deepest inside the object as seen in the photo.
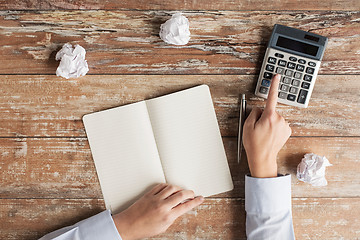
(201, 198)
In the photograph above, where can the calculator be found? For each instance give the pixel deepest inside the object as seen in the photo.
(295, 55)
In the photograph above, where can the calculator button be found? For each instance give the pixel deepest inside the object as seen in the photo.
(310, 70)
(291, 97)
(265, 83)
(279, 70)
(282, 95)
(300, 67)
(291, 65)
(307, 78)
(289, 73)
(293, 90)
(305, 85)
(269, 67)
(311, 64)
(282, 63)
(302, 61)
(284, 88)
(272, 60)
(296, 83)
(263, 90)
(279, 55)
(286, 80)
(302, 96)
(293, 59)
(267, 75)
(297, 75)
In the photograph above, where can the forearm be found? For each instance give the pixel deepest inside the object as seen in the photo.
(100, 226)
(268, 208)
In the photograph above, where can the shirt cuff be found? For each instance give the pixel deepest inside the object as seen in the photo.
(100, 226)
(266, 195)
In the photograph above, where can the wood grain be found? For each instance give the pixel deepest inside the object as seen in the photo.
(127, 42)
(220, 219)
(63, 167)
(47, 175)
(53, 106)
(33, 218)
(181, 5)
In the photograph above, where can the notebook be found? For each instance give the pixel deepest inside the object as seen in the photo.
(173, 138)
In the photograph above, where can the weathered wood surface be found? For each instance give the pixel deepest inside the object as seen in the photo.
(218, 219)
(63, 167)
(127, 42)
(53, 106)
(47, 176)
(181, 5)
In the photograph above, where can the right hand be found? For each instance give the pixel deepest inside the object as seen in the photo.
(153, 213)
(264, 134)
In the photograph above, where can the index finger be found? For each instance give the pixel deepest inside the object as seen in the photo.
(187, 206)
(273, 94)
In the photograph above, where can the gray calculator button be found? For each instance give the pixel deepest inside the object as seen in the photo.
(291, 65)
(293, 90)
(312, 64)
(279, 70)
(282, 95)
(284, 88)
(263, 90)
(305, 85)
(272, 60)
(291, 97)
(296, 83)
(307, 78)
(310, 70)
(297, 75)
(282, 63)
(302, 96)
(289, 73)
(286, 80)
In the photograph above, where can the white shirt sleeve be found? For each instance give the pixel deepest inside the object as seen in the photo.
(100, 226)
(268, 208)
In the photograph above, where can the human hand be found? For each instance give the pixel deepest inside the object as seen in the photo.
(264, 134)
(154, 212)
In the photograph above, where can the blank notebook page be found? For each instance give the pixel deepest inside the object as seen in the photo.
(125, 153)
(189, 141)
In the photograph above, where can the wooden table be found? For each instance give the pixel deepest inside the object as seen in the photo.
(47, 175)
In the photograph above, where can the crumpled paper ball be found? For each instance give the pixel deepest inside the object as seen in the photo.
(175, 30)
(73, 63)
(311, 169)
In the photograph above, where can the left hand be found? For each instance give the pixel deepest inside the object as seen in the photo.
(153, 213)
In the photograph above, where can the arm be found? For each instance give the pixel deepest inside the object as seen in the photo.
(267, 195)
(100, 226)
(152, 214)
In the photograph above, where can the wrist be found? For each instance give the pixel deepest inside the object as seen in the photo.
(263, 169)
(123, 226)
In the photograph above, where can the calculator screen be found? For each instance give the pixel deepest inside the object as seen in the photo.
(297, 46)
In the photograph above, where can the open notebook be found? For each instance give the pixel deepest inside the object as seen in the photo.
(173, 138)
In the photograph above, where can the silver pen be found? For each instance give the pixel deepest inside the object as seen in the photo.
(242, 116)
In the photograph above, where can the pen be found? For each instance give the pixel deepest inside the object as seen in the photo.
(241, 123)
